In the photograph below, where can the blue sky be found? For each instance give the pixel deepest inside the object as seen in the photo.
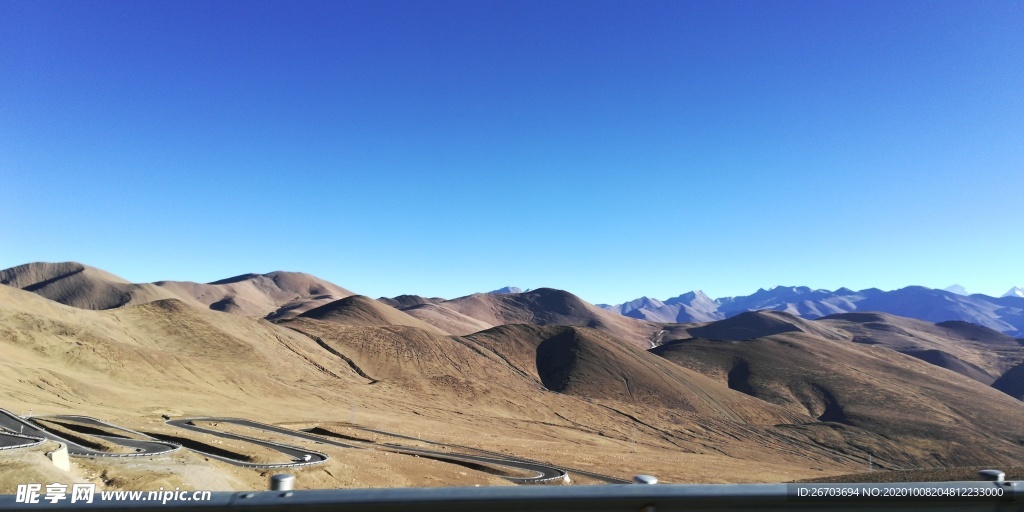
(613, 149)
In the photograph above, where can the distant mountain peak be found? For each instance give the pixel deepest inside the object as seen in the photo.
(689, 297)
(1016, 291)
(644, 302)
(695, 294)
(957, 289)
(922, 303)
(788, 289)
(507, 289)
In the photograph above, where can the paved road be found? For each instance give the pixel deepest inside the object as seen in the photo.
(550, 470)
(542, 472)
(298, 456)
(12, 441)
(269, 428)
(14, 423)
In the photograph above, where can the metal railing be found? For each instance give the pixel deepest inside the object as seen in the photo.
(969, 496)
(30, 441)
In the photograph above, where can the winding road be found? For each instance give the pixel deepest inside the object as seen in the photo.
(542, 473)
(27, 432)
(140, 448)
(299, 456)
(550, 472)
(11, 441)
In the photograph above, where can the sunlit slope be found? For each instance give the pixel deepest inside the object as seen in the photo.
(277, 294)
(493, 379)
(446, 319)
(81, 286)
(935, 414)
(756, 324)
(547, 306)
(567, 394)
(151, 356)
(977, 352)
(407, 301)
(411, 360)
(363, 311)
(587, 363)
(274, 295)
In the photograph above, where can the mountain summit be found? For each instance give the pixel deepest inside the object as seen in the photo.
(507, 289)
(957, 289)
(1016, 291)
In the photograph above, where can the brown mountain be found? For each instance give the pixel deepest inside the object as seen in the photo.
(784, 399)
(406, 301)
(81, 286)
(588, 363)
(277, 295)
(758, 324)
(547, 306)
(870, 392)
(1012, 382)
(364, 311)
(970, 350)
(446, 319)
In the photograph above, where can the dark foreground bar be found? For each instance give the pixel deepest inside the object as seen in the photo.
(970, 496)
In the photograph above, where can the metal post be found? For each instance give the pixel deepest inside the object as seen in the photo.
(282, 482)
(992, 475)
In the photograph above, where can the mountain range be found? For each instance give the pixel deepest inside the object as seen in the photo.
(765, 395)
(1004, 314)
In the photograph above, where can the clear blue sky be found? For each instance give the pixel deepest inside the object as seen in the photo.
(613, 149)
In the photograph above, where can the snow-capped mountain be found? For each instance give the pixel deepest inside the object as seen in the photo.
(507, 289)
(688, 307)
(1004, 314)
(957, 289)
(633, 305)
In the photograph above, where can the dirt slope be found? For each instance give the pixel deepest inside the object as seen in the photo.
(1012, 382)
(573, 396)
(756, 324)
(81, 286)
(279, 295)
(407, 301)
(938, 415)
(970, 350)
(588, 363)
(547, 306)
(447, 320)
(364, 311)
(140, 357)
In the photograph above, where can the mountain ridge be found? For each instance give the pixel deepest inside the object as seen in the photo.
(1004, 314)
(763, 388)
(283, 295)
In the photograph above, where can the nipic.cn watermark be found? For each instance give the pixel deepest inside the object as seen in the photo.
(86, 493)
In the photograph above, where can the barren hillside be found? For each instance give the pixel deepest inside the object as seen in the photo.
(546, 306)
(793, 399)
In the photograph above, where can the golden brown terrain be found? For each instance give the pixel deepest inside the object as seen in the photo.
(784, 400)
